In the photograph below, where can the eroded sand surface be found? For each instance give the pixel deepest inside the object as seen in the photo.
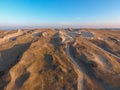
(48, 59)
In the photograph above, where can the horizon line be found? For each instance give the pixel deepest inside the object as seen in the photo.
(54, 27)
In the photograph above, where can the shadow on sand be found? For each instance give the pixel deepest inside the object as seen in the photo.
(9, 58)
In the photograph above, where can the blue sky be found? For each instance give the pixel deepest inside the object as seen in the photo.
(74, 13)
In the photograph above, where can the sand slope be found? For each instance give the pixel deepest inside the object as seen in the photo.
(47, 59)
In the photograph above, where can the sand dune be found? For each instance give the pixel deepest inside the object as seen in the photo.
(47, 59)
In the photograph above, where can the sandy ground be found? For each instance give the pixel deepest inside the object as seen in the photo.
(47, 59)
